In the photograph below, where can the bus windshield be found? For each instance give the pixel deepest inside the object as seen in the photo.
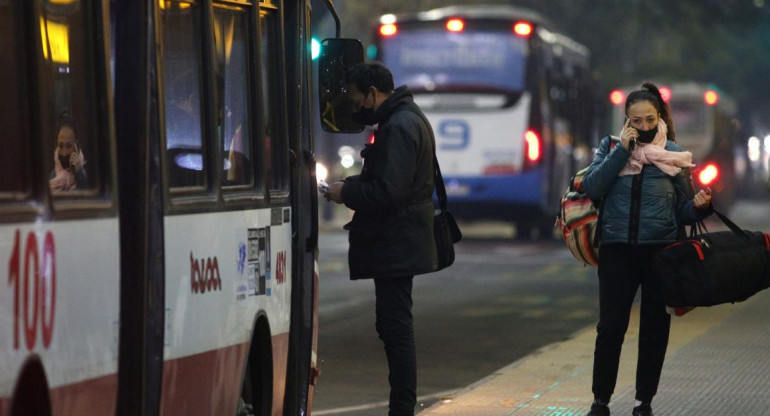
(432, 59)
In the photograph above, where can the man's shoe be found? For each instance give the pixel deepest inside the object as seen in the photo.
(599, 409)
(643, 409)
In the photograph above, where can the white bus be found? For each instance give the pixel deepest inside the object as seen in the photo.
(509, 98)
(705, 124)
(158, 226)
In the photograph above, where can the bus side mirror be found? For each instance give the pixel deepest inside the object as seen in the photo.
(336, 111)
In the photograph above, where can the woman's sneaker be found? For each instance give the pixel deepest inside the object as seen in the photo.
(599, 409)
(643, 409)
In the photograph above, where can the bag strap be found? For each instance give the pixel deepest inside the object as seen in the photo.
(438, 180)
(731, 225)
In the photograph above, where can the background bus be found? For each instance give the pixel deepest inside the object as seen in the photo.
(510, 100)
(179, 276)
(705, 124)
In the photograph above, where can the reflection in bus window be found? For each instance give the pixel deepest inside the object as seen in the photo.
(69, 171)
(230, 34)
(181, 24)
(70, 132)
(275, 143)
(14, 159)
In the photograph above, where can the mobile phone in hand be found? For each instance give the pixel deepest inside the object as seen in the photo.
(323, 187)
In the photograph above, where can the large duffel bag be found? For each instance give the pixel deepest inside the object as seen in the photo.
(714, 268)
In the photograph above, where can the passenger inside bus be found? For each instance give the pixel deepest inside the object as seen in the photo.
(69, 171)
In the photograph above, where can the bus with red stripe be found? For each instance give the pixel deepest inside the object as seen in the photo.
(158, 208)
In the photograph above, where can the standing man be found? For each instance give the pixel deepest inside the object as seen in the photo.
(391, 234)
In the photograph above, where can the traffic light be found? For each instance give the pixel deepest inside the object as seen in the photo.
(315, 48)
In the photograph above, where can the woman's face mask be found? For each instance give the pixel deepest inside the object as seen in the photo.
(647, 136)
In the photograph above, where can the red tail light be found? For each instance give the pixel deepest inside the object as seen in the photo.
(665, 93)
(523, 29)
(711, 97)
(388, 29)
(708, 175)
(455, 25)
(617, 97)
(532, 142)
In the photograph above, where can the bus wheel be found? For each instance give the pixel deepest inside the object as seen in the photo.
(257, 389)
(30, 397)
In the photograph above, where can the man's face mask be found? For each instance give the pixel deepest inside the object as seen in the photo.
(646, 136)
(365, 115)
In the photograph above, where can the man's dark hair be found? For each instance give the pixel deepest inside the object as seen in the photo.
(368, 74)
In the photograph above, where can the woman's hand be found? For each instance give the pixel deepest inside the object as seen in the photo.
(76, 161)
(702, 199)
(628, 134)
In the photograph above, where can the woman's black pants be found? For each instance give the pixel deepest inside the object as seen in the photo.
(394, 326)
(622, 269)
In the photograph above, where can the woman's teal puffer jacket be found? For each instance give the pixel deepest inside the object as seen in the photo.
(648, 208)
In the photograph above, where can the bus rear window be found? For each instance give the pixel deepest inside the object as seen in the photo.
(433, 59)
(688, 116)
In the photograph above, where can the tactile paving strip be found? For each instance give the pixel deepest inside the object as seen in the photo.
(725, 372)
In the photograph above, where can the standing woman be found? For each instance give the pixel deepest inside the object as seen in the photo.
(644, 181)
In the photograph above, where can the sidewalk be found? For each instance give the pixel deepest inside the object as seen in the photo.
(718, 363)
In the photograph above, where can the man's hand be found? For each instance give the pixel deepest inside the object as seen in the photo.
(335, 192)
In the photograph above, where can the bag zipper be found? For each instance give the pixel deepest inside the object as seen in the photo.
(696, 245)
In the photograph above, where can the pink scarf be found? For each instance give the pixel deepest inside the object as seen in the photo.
(655, 152)
(64, 179)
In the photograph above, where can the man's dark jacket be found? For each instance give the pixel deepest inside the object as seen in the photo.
(391, 234)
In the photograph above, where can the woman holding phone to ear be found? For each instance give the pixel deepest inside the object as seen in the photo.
(69, 164)
(644, 182)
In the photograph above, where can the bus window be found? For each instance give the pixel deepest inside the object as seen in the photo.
(230, 39)
(14, 159)
(186, 156)
(69, 77)
(275, 142)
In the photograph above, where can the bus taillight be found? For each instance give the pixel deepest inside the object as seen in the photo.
(708, 175)
(455, 25)
(617, 97)
(711, 97)
(532, 141)
(665, 93)
(523, 29)
(388, 29)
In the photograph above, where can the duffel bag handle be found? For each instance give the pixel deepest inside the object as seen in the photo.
(731, 225)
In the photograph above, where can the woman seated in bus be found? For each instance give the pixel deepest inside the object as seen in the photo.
(644, 181)
(69, 164)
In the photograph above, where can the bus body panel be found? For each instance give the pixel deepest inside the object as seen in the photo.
(474, 146)
(71, 323)
(468, 142)
(224, 269)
